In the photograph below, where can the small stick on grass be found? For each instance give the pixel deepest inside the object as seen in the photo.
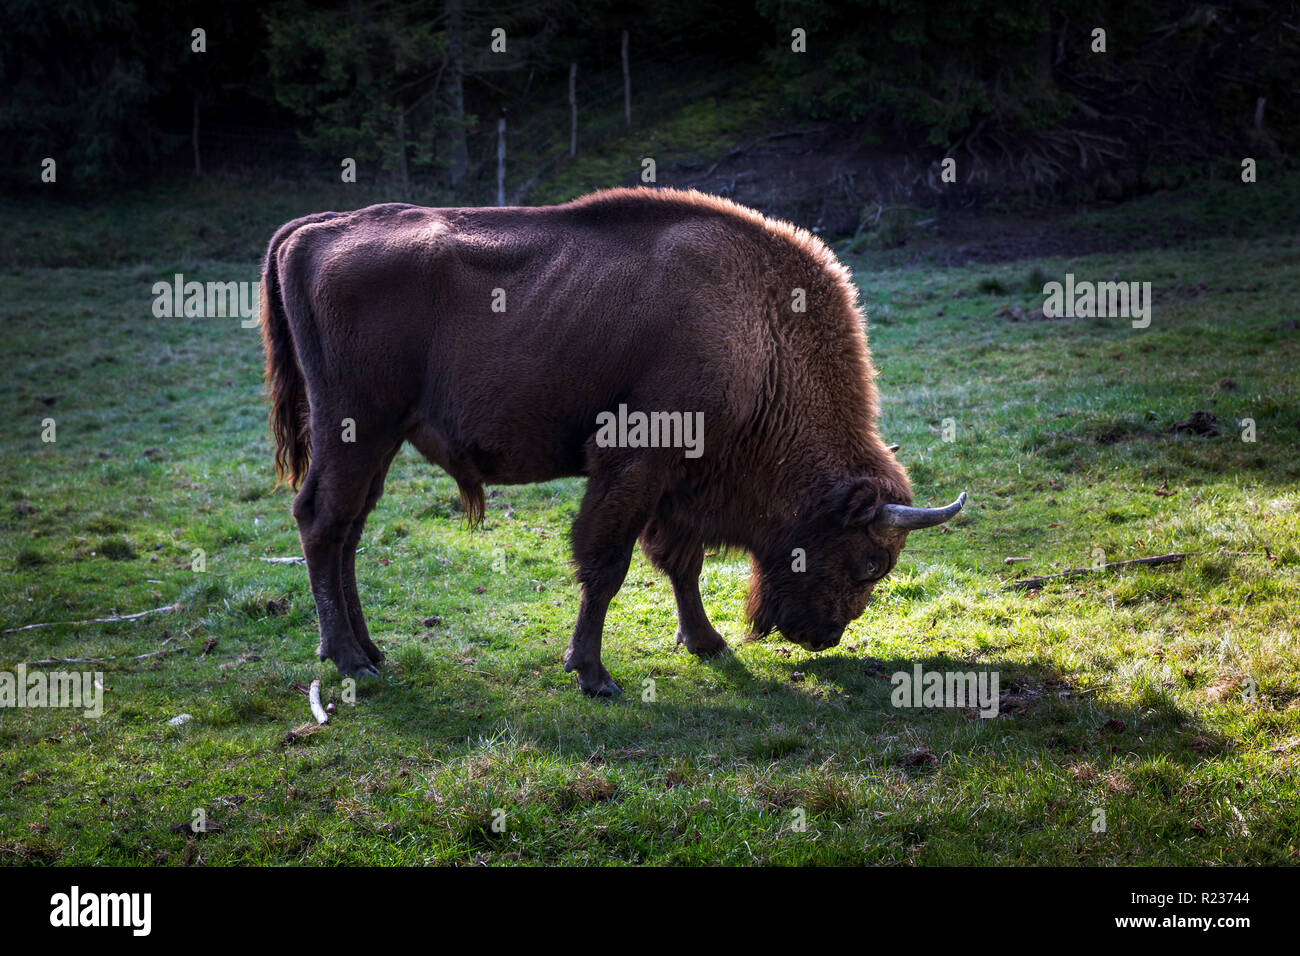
(313, 698)
(1031, 584)
(98, 620)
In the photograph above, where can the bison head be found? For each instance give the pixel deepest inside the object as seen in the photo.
(813, 582)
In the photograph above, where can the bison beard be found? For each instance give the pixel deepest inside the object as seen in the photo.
(657, 300)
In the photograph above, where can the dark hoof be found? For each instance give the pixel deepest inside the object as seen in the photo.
(705, 645)
(601, 686)
(593, 679)
(355, 664)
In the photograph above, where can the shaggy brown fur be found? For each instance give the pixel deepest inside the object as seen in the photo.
(657, 299)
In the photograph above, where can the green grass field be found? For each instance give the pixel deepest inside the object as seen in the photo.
(1167, 698)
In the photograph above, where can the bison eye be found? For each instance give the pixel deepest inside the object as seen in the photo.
(866, 571)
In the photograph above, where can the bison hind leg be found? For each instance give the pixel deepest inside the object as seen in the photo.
(343, 482)
(350, 593)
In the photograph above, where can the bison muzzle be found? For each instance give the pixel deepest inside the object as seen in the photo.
(503, 342)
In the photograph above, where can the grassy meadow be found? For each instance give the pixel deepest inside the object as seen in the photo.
(1166, 698)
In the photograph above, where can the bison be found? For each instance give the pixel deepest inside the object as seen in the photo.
(502, 342)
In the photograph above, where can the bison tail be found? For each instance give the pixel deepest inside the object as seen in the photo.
(285, 387)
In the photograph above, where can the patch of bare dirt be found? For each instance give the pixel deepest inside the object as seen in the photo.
(825, 178)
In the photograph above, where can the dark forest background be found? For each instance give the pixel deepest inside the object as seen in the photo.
(412, 90)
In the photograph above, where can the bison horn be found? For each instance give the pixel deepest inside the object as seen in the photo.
(907, 518)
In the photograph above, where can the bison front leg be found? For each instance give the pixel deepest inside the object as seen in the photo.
(694, 631)
(620, 495)
(682, 559)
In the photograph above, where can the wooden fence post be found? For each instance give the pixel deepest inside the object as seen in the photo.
(573, 110)
(627, 85)
(501, 160)
(401, 146)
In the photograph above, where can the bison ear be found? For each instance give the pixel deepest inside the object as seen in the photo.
(855, 501)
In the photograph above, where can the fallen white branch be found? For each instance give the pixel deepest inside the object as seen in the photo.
(1032, 584)
(295, 559)
(98, 620)
(313, 698)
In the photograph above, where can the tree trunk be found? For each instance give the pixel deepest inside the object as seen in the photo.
(1045, 51)
(459, 164)
(194, 137)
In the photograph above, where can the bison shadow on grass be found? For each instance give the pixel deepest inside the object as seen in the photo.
(833, 705)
